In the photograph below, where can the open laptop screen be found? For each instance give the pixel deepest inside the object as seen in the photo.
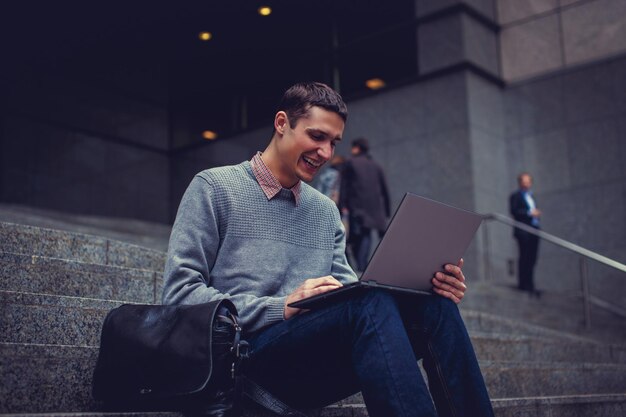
(422, 237)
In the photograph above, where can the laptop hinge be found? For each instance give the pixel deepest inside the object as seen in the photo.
(370, 283)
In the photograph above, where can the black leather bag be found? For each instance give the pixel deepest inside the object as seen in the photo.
(182, 357)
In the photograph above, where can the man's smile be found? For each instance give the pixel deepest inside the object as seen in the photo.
(312, 162)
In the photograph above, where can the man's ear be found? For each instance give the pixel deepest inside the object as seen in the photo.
(281, 122)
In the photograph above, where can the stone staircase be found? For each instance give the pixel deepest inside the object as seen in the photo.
(57, 286)
(559, 310)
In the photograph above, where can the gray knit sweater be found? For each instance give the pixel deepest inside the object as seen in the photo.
(229, 240)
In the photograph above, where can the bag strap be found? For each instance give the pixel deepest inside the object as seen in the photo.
(251, 389)
(247, 387)
(264, 398)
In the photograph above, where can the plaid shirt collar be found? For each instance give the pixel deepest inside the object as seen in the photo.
(268, 182)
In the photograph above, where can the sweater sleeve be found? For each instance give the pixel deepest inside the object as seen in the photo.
(192, 251)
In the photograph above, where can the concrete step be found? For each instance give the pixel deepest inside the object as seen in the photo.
(45, 378)
(37, 274)
(98, 414)
(146, 234)
(498, 347)
(30, 240)
(64, 382)
(597, 405)
(506, 379)
(524, 341)
(481, 321)
(562, 310)
(561, 406)
(530, 379)
(53, 319)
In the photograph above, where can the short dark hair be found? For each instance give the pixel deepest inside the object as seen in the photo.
(362, 144)
(299, 98)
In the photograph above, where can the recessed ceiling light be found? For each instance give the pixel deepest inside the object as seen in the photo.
(265, 10)
(205, 36)
(375, 83)
(209, 135)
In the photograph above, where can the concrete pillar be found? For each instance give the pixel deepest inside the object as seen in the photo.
(452, 33)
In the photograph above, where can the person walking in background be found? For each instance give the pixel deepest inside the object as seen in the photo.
(329, 181)
(523, 208)
(365, 198)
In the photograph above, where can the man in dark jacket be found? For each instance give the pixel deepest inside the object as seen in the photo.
(523, 208)
(364, 196)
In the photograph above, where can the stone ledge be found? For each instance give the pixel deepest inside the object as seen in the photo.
(558, 406)
(31, 240)
(38, 274)
(52, 320)
(44, 378)
(497, 346)
(531, 379)
(67, 320)
(562, 406)
(487, 322)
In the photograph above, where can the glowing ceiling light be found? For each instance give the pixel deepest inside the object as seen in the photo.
(209, 135)
(375, 83)
(265, 10)
(205, 36)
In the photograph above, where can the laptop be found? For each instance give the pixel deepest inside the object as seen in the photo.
(421, 238)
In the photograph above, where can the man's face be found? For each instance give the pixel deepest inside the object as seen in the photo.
(305, 148)
(525, 182)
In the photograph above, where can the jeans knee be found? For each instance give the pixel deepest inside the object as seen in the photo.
(438, 310)
(447, 306)
(378, 296)
(376, 301)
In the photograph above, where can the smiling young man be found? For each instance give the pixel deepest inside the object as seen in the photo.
(257, 234)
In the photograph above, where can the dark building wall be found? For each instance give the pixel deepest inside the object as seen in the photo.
(228, 151)
(83, 147)
(489, 169)
(419, 134)
(568, 130)
(538, 37)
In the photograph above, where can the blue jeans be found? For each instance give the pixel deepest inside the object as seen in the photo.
(371, 343)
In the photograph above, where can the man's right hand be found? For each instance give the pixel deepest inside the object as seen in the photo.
(307, 289)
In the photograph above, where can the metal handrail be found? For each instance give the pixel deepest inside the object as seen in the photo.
(584, 255)
(556, 240)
